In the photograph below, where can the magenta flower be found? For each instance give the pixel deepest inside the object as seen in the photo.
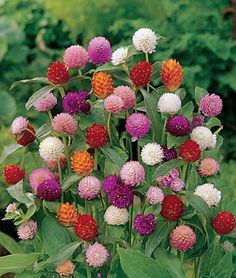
(74, 103)
(110, 183)
(168, 153)
(49, 190)
(137, 125)
(37, 176)
(145, 225)
(99, 51)
(211, 105)
(178, 125)
(121, 196)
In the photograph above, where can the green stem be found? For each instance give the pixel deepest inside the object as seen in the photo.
(62, 91)
(67, 154)
(95, 159)
(183, 173)
(218, 130)
(59, 170)
(89, 274)
(163, 132)
(131, 223)
(136, 105)
(109, 127)
(146, 56)
(138, 150)
(50, 115)
(35, 159)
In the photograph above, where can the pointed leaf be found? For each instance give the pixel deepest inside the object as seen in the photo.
(9, 150)
(10, 244)
(28, 81)
(199, 94)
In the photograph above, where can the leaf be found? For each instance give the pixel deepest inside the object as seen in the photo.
(132, 51)
(30, 274)
(115, 155)
(7, 105)
(199, 94)
(154, 209)
(213, 122)
(28, 81)
(115, 269)
(30, 212)
(16, 192)
(187, 110)
(175, 141)
(224, 268)
(43, 131)
(69, 180)
(51, 206)
(231, 206)
(108, 67)
(9, 150)
(181, 92)
(3, 46)
(10, 244)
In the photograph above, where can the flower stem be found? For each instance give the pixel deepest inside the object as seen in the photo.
(109, 127)
(131, 223)
(218, 130)
(89, 275)
(163, 132)
(146, 56)
(67, 154)
(95, 159)
(62, 91)
(59, 169)
(50, 115)
(35, 159)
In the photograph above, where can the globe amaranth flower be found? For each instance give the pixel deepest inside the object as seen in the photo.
(27, 230)
(208, 193)
(224, 222)
(97, 136)
(198, 120)
(145, 225)
(58, 73)
(49, 190)
(113, 104)
(141, 74)
(99, 51)
(76, 102)
(89, 187)
(203, 136)
(26, 137)
(132, 173)
(96, 255)
(64, 123)
(208, 167)
(182, 238)
(127, 95)
(152, 154)
(67, 214)
(121, 196)
(119, 56)
(13, 174)
(168, 178)
(46, 103)
(102, 84)
(82, 163)
(116, 216)
(190, 151)
(19, 125)
(51, 148)
(66, 268)
(172, 207)
(168, 153)
(86, 227)
(110, 183)
(154, 195)
(137, 125)
(144, 39)
(211, 105)
(39, 175)
(11, 208)
(178, 125)
(169, 103)
(177, 185)
(75, 56)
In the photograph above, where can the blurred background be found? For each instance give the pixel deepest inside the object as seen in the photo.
(200, 34)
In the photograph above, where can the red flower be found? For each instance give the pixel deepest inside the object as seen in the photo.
(86, 227)
(58, 73)
(190, 151)
(96, 136)
(224, 222)
(28, 136)
(141, 73)
(13, 174)
(172, 207)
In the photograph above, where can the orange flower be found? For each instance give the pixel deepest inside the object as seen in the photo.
(82, 163)
(171, 74)
(67, 214)
(66, 268)
(102, 84)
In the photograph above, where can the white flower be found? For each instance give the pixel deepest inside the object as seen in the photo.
(119, 56)
(51, 148)
(145, 40)
(213, 142)
(11, 208)
(116, 216)
(203, 136)
(208, 193)
(169, 103)
(152, 154)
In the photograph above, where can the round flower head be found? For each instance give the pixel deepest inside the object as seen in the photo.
(64, 123)
(208, 167)
(38, 176)
(182, 238)
(26, 137)
(89, 187)
(66, 268)
(177, 185)
(127, 95)
(208, 193)
(152, 154)
(27, 230)
(169, 154)
(167, 179)
(67, 214)
(19, 125)
(141, 74)
(51, 148)
(113, 104)
(86, 227)
(169, 103)
(11, 208)
(178, 125)
(119, 56)
(145, 225)
(198, 120)
(190, 151)
(213, 142)
(110, 183)
(102, 84)
(137, 125)
(132, 173)
(144, 39)
(75, 56)
(13, 174)
(116, 216)
(82, 163)
(172, 207)
(211, 105)
(74, 103)
(46, 103)
(203, 136)
(58, 73)
(97, 136)
(121, 196)
(224, 222)
(154, 195)
(49, 190)
(96, 255)
(99, 51)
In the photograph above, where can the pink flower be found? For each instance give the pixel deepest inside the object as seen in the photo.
(11, 208)
(154, 195)
(99, 51)
(89, 187)
(177, 185)
(27, 230)
(66, 268)
(96, 255)
(182, 238)
(127, 94)
(76, 56)
(132, 173)
(19, 125)
(211, 105)
(208, 167)
(46, 103)
(64, 123)
(113, 104)
(38, 176)
(168, 178)
(137, 125)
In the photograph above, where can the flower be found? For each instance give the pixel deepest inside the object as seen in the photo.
(137, 125)
(144, 39)
(110, 183)
(152, 154)
(224, 222)
(198, 120)
(145, 225)
(154, 195)
(27, 137)
(169, 154)
(213, 142)
(64, 123)
(89, 187)
(169, 103)
(132, 173)
(211, 105)
(116, 216)
(58, 73)
(113, 104)
(49, 190)
(208, 167)
(27, 230)
(86, 227)
(121, 196)
(208, 193)
(203, 136)
(66, 268)
(46, 103)
(53, 164)
(178, 125)
(75, 56)
(19, 125)
(74, 103)
(190, 151)
(141, 74)
(228, 246)
(99, 51)
(97, 136)
(82, 163)
(96, 255)
(13, 174)
(102, 84)
(67, 214)
(182, 238)
(177, 185)
(171, 75)
(127, 95)
(51, 148)
(38, 176)
(167, 179)
(172, 207)
(11, 208)
(119, 56)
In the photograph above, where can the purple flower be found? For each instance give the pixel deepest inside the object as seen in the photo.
(178, 125)
(74, 103)
(168, 178)
(137, 125)
(145, 224)
(49, 190)
(122, 196)
(99, 51)
(198, 120)
(110, 183)
(169, 153)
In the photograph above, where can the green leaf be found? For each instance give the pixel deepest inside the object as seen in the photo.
(7, 105)
(30, 274)
(30, 212)
(3, 46)
(231, 206)
(16, 192)
(43, 131)
(115, 269)
(224, 268)
(10, 244)
(155, 209)
(213, 122)
(108, 67)
(199, 94)
(115, 155)
(9, 150)
(181, 92)
(132, 51)
(28, 81)
(70, 180)
(175, 141)
(51, 206)
(187, 110)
